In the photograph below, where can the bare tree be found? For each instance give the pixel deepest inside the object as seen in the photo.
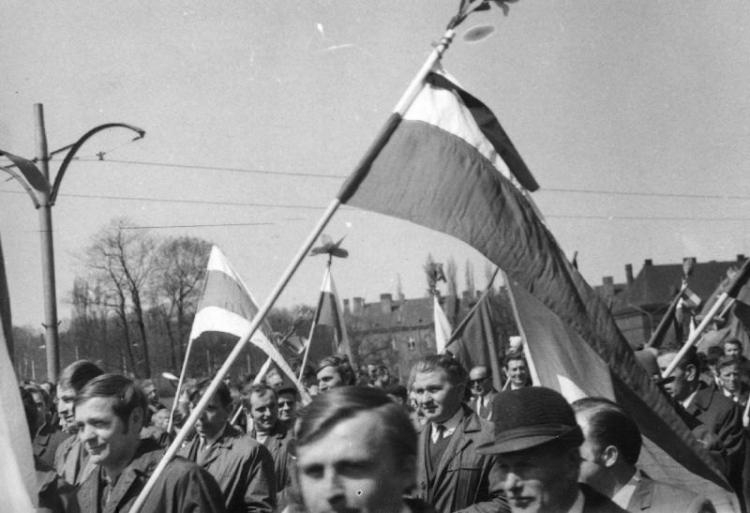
(179, 267)
(121, 260)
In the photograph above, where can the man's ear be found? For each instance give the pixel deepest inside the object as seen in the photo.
(691, 372)
(610, 455)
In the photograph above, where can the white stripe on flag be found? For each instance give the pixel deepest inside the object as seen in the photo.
(443, 328)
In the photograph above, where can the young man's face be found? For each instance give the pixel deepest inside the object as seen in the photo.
(479, 382)
(287, 404)
(537, 481)
(730, 378)
(263, 410)
(351, 469)
(681, 387)
(329, 377)
(518, 373)
(110, 441)
(212, 418)
(436, 396)
(592, 472)
(65, 408)
(732, 349)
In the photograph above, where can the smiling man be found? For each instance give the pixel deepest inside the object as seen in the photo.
(356, 452)
(109, 413)
(451, 475)
(536, 445)
(334, 371)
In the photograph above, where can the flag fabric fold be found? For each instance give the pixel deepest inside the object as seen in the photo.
(458, 180)
(227, 306)
(442, 326)
(328, 333)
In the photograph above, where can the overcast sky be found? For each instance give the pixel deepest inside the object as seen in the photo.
(633, 116)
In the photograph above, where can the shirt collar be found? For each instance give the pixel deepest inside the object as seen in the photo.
(689, 399)
(450, 425)
(577, 506)
(623, 495)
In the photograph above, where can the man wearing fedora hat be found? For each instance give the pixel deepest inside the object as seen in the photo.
(536, 445)
(451, 475)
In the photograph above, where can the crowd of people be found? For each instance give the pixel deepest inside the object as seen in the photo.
(444, 441)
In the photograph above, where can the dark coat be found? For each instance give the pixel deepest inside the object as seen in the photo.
(182, 487)
(656, 497)
(277, 444)
(464, 480)
(72, 461)
(242, 467)
(45, 443)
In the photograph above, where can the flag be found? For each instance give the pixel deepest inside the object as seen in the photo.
(474, 342)
(328, 333)
(227, 306)
(442, 326)
(18, 486)
(449, 166)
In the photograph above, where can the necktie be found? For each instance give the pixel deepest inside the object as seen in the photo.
(439, 433)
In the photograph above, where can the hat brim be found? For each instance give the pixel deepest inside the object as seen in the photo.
(519, 441)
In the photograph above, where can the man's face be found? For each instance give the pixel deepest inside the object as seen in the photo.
(65, 408)
(732, 349)
(539, 481)
(518, 373)
(212, 419)
(329, 377)
(274, 380)
(592, 472)
(263, 411)
(681, 387)
(41, 408)
(351, 469)
(160, 419)
(479, 382)
(287, 405)
(730, 378)
(109, 440)
(437, 397)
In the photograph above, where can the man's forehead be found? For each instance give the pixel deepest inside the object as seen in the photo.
(261, 398)
(478, 373)
(97, 406)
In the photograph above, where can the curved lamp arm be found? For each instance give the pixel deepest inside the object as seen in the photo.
(75, 147)
(28, 175)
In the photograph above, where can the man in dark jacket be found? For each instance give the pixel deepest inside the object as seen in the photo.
(536, 444)
(242, 467)
(451, 475)
(110, 411)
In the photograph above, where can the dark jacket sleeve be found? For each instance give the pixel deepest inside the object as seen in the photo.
(260, 496)
(192, 491)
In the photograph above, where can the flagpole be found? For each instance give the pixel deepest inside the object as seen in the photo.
(737, 282)
(314, 323)
(348, 189)
(179, 386)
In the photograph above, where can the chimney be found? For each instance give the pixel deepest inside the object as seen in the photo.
(629, 274)
(358, 306)
(386, 301)
(740, 258)
(346, 306)
(608, 286)
(466, 297)
(648, 262)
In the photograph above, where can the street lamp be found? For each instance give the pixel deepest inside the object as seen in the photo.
(43, 194)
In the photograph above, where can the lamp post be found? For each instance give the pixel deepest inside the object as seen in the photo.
(43, 193)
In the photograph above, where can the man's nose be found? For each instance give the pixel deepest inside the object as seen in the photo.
(335, 491)
(85, 433)
(512, 483)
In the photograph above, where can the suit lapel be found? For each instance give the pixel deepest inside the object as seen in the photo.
(642, 496)
(122, 487)
(456, 445)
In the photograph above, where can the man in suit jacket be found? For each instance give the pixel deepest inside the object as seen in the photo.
(451, 475)
(242, 467)
(482, 392)
(612, 444)
(536, 445)
(111, 411)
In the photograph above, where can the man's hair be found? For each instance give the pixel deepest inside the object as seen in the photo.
(734, 341)
(726, 361)
(456, 372)
(514, 355)
(33, 388)
(223, 394)
(259, 389)
(713, 354)
(691, 358)
(343, 403)
(342, 366)
(77, 374)
(126, 395)
(287, 391)
(609, 424)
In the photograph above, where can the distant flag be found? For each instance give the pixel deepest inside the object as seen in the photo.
(474, 341)
(449, 166)
(227, 306)
(328, 332)
(18, 486)
(442, 326)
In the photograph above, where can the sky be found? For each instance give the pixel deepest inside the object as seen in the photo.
(633, 116)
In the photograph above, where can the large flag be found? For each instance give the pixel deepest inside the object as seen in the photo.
(227, 306)
(474, 340)
(18, 485)
(449, 166)
(442, 326)
(328, 333)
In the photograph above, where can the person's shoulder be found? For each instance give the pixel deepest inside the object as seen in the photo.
(677, 498)
(595, 502)
(242, 443)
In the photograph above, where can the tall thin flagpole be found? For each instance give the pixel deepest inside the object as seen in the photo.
(346, 192)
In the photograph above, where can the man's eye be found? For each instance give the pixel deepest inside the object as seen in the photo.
(313, 472)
